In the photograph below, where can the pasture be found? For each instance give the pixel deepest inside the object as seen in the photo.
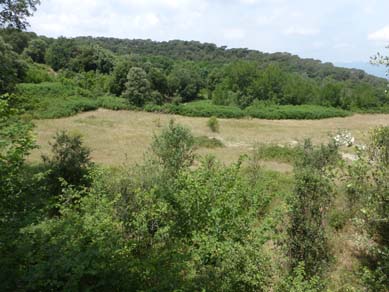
(118, 137)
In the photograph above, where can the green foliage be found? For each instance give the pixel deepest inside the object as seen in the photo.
(138, 87)
(185, 81)
(38, 73)
(16, 142)
(206, 142)
(13, 13)
(338, 219)
(36, 50)
(213, 124)
(286, 154)
(16, 38)
(113, 103)
(70, 162)
(298, 281)
(12, 69)
(296, 112)
(309, 204)
(119, 75)
(54, 99)
(174, 148)
(207, 109)
(60, 52)
(92, 58)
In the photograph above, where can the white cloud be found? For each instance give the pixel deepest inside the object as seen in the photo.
(380, 35)
(256, 24)
(301, 31)
(234, 33)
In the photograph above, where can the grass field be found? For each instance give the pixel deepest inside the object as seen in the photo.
(117, 137)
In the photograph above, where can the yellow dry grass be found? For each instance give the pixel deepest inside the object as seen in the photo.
(117, 137)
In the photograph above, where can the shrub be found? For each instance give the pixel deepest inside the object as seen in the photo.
(113, 102)
(213, 124)
(338, 219)
(206, 142)
(70, 161)
(174, 148)
(308, 207)
(137, 88)
(285, 154)
(205, 108)
(296, 112)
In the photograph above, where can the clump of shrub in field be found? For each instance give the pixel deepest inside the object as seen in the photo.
(286, 154)
(213, 124)
(206, 142)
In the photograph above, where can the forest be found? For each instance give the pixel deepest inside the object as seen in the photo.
(57, 77)
(180, 221)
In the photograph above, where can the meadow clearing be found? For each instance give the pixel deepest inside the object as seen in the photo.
(118, 137)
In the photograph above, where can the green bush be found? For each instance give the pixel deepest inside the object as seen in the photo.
(49, 100)
(70, 161)
(206, 142)
(205, 108)
(113, 103)
(285, 154)
(37, 73)
(294, 112)
(213, 124)
(338, 219)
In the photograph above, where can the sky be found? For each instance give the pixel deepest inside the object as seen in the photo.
(338, 31)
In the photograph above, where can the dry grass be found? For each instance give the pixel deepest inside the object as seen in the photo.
(117, 137)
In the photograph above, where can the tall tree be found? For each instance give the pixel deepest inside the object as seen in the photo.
(13, 13)
(138, 87)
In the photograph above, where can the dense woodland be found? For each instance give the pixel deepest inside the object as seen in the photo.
(179, 221)
(166, 76)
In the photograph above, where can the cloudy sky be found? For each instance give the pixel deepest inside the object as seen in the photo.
(330, 30)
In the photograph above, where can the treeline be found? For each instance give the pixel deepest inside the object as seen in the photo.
(182, 222)
(146, 72)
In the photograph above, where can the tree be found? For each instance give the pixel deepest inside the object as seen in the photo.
(119, 75)
(60, 52)
(368, 193)
(36, 50)
(12, 69)
(174, 148)
(308, 206)
(70, 161)
(138, 88)
(184, 81)
(19, 40)
(13, 13)
(92, 58)
(16, 142)
(331, 94)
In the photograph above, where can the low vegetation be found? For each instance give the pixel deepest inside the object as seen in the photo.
(179, 220)
(164, 212)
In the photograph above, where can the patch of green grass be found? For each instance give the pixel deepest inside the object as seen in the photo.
(206, 142)
(285, 154)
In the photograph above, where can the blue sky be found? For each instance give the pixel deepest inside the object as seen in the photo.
(330, 30)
